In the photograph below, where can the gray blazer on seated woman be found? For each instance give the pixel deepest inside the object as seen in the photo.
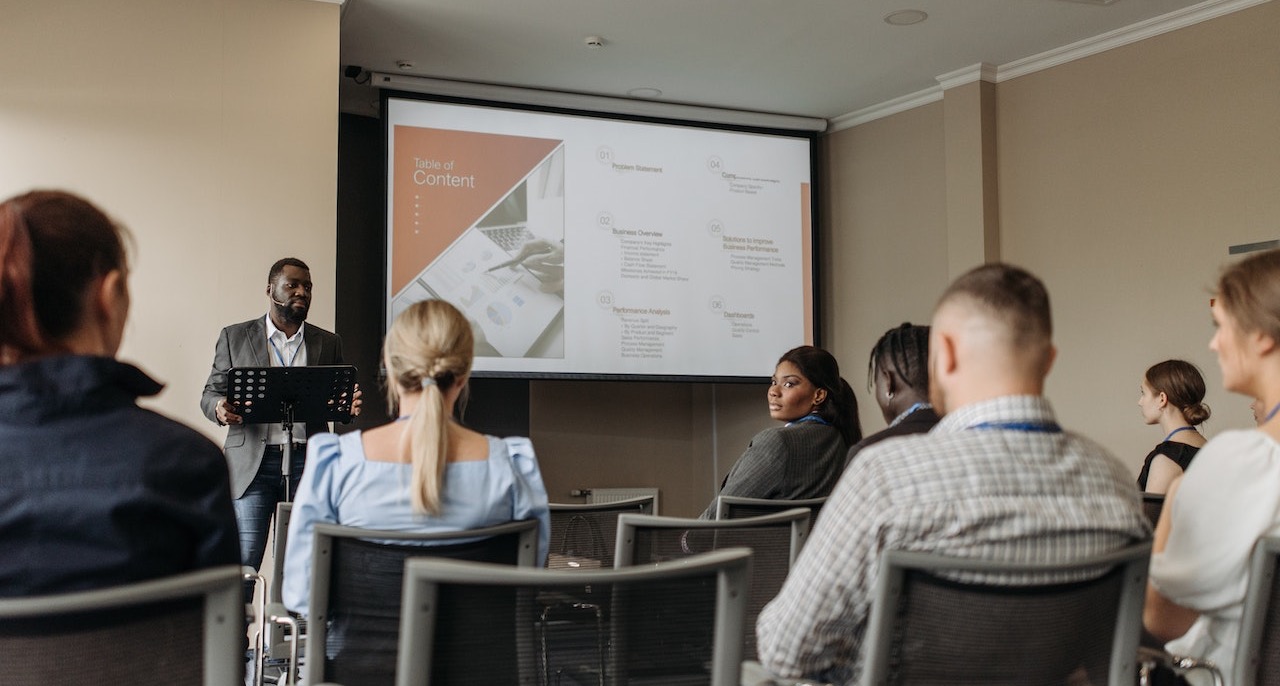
(805, 456)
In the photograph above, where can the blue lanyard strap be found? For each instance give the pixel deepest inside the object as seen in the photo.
(280, 356)
(910, 410)
(1028, 427)
(810, 418)
(1178, 430)
(1272, 413)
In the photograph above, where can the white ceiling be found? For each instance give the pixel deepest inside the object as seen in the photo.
(817, 58)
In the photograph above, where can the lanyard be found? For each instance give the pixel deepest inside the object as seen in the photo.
(1028, 427)
(810, 418)
(1178, 430)
(280, 356)
(917, 406)
(1272, 413)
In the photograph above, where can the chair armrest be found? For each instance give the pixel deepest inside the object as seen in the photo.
(1149, 658)
(754, 674)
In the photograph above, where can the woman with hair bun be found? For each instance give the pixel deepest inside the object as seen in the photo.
(1171, 395)
(804, 457)
(422, 472)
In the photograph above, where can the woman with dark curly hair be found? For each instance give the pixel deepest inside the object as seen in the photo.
(805, 456)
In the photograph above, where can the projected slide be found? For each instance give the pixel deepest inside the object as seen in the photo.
(587, 246)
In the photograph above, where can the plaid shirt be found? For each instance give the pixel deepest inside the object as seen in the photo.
(1014, 495)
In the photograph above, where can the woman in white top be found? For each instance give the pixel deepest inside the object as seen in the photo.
(423, 472)
(1230, 494)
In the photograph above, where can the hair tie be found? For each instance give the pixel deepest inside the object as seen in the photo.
(427, 382)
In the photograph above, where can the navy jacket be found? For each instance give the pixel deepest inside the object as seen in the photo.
(96, 491)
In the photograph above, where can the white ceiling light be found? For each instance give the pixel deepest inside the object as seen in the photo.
(905, 17)
(644, 92)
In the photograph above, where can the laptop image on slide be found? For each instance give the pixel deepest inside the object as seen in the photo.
(509, 238)
(508, 303)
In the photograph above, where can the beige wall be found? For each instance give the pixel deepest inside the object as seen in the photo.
(1122, 179)
(208, 127)
(679, 437)
(884, 240)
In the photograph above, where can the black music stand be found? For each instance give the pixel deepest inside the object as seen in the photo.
(269, 395)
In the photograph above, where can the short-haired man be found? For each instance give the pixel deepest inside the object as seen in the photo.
(996, 478)
(255, 452)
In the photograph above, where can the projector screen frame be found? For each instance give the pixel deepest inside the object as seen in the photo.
(811, 136)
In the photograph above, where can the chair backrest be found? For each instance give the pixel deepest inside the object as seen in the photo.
(356, 580)
(582, 533)
(775, 541)
(473, 623)
(1258, 647)
(738, 507)
(186, 629)
(280, 537)
(1152, 503)
(939, 619)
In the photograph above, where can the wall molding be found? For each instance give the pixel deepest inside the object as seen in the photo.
(884, 109)
(977, 72)
(1210, 9)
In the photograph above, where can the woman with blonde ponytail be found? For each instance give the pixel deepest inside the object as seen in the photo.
(423, 471)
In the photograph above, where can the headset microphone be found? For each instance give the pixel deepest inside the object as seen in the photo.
(281, 304)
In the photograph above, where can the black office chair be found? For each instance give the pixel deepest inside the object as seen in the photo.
(187, 629)
(470, 623)
(775, 541)
(1258, 653)
(941, 620)
(582, 534)
(738, 507)
(1257, 660)
(356, 581)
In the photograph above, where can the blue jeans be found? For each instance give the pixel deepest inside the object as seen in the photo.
(255, 508)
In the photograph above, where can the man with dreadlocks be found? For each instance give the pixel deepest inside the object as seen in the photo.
(899, 371)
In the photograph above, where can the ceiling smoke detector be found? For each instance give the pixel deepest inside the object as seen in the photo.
(905, 17)
(404, 65)
(593, 42)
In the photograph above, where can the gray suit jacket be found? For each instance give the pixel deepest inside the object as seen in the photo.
(245, 345)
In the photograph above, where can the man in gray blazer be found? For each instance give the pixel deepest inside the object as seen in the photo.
(255, 452)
